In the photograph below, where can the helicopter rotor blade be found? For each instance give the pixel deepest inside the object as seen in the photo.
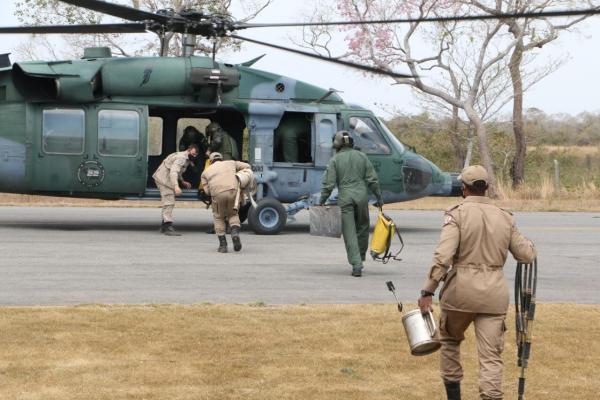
(362, 67)
(121, 11)
(533, 14)
(81, 29)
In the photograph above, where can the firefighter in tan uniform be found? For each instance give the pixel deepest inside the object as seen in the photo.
(168, 177)
(220, 183)
(476, 237)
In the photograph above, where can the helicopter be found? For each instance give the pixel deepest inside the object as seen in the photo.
(100, 126)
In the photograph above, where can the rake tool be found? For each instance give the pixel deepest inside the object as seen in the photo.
(525, 290)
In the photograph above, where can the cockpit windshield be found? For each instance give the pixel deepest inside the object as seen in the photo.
(391, 137)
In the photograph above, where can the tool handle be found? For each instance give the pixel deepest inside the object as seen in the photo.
(390, 286)
(430, 320)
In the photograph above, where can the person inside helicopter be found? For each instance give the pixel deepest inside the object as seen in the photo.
(191, 136)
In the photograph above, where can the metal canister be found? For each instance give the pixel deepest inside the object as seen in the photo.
(421, 332)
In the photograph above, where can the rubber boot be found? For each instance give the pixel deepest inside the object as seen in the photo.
(222, 244)
(167, 229)
(452, 390)
(235, 237)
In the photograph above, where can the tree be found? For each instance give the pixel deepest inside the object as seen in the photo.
(45, 12)
(457, 66)
(530, 35)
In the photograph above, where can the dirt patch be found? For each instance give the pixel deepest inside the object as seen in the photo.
(262, 352)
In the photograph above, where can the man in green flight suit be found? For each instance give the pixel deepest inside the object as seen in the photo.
(221, 142)
(352, 172)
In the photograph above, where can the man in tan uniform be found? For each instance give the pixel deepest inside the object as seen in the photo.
(219, 182)
(167, 177)
(476, 237)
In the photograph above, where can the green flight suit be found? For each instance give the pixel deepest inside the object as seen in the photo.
(352, 172)
(223, 143)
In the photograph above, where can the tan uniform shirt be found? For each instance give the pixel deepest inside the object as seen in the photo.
(170, 171)
(220, 176)
(475, 240)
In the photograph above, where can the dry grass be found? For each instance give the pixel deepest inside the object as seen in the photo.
(577, 151)
(256, 352)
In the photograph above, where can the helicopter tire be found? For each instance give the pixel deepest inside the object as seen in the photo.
(268, 217)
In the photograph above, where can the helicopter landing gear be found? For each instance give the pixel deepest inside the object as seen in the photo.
(268, 217)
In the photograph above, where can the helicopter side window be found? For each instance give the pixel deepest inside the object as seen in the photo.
(367, 136)
(63, 131)
(118, 132)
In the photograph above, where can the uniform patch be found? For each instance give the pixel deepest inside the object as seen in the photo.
(180, 162)
(447, 220)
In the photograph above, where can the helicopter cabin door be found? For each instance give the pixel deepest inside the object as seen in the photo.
(98, 148)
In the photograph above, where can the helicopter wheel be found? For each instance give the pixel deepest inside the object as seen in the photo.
(268, 218)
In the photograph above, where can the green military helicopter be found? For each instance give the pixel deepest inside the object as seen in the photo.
(100, 126)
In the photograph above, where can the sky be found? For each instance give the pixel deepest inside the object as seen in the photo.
(574, 88)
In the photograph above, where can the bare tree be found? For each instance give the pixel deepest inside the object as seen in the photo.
(462, 70)
(44, 12)
(530, 35)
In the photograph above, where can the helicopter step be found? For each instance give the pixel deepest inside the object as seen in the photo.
(154, 194)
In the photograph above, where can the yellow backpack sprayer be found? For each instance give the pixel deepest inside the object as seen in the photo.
(384, 231)
(525, 288)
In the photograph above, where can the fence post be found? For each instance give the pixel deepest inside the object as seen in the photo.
(556, 176)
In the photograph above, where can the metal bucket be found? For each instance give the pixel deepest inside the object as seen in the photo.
(421, 332)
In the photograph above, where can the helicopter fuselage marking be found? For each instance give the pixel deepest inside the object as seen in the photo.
(147, 73)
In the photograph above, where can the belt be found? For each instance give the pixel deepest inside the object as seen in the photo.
(477, 266)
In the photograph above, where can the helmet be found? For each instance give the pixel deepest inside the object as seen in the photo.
(214, 156)
(212, 127)
(342, 139)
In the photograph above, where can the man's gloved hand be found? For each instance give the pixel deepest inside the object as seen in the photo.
(378, 203)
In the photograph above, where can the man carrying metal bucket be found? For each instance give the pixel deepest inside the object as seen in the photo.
(476, 237)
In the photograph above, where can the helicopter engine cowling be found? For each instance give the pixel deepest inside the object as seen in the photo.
(167, 77)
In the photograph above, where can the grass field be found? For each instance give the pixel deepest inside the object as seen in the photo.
(262, 352)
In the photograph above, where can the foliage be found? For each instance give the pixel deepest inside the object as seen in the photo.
(574, 141)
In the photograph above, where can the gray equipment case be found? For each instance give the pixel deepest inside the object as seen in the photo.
(326, 221)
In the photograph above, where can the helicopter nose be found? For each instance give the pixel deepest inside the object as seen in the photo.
(417, 175)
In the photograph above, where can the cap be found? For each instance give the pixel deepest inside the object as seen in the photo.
(473, 173)
(215, 156)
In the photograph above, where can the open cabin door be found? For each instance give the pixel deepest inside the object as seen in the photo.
(325, 129)
(98, 148)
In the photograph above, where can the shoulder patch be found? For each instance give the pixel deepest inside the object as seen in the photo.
(448, 219)
(180, 162)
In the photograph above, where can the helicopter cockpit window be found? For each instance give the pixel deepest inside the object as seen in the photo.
(118, 132)
(63, 131)
(367, 136)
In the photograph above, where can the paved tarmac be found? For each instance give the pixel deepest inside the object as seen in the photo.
(65, 256)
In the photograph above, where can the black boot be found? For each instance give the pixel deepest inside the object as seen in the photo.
(235, 237)
(222, 244)
(452, 390)
(167, 229)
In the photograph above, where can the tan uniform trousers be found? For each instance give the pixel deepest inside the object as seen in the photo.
(167, 198)
(489, 331)
(223, 207)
